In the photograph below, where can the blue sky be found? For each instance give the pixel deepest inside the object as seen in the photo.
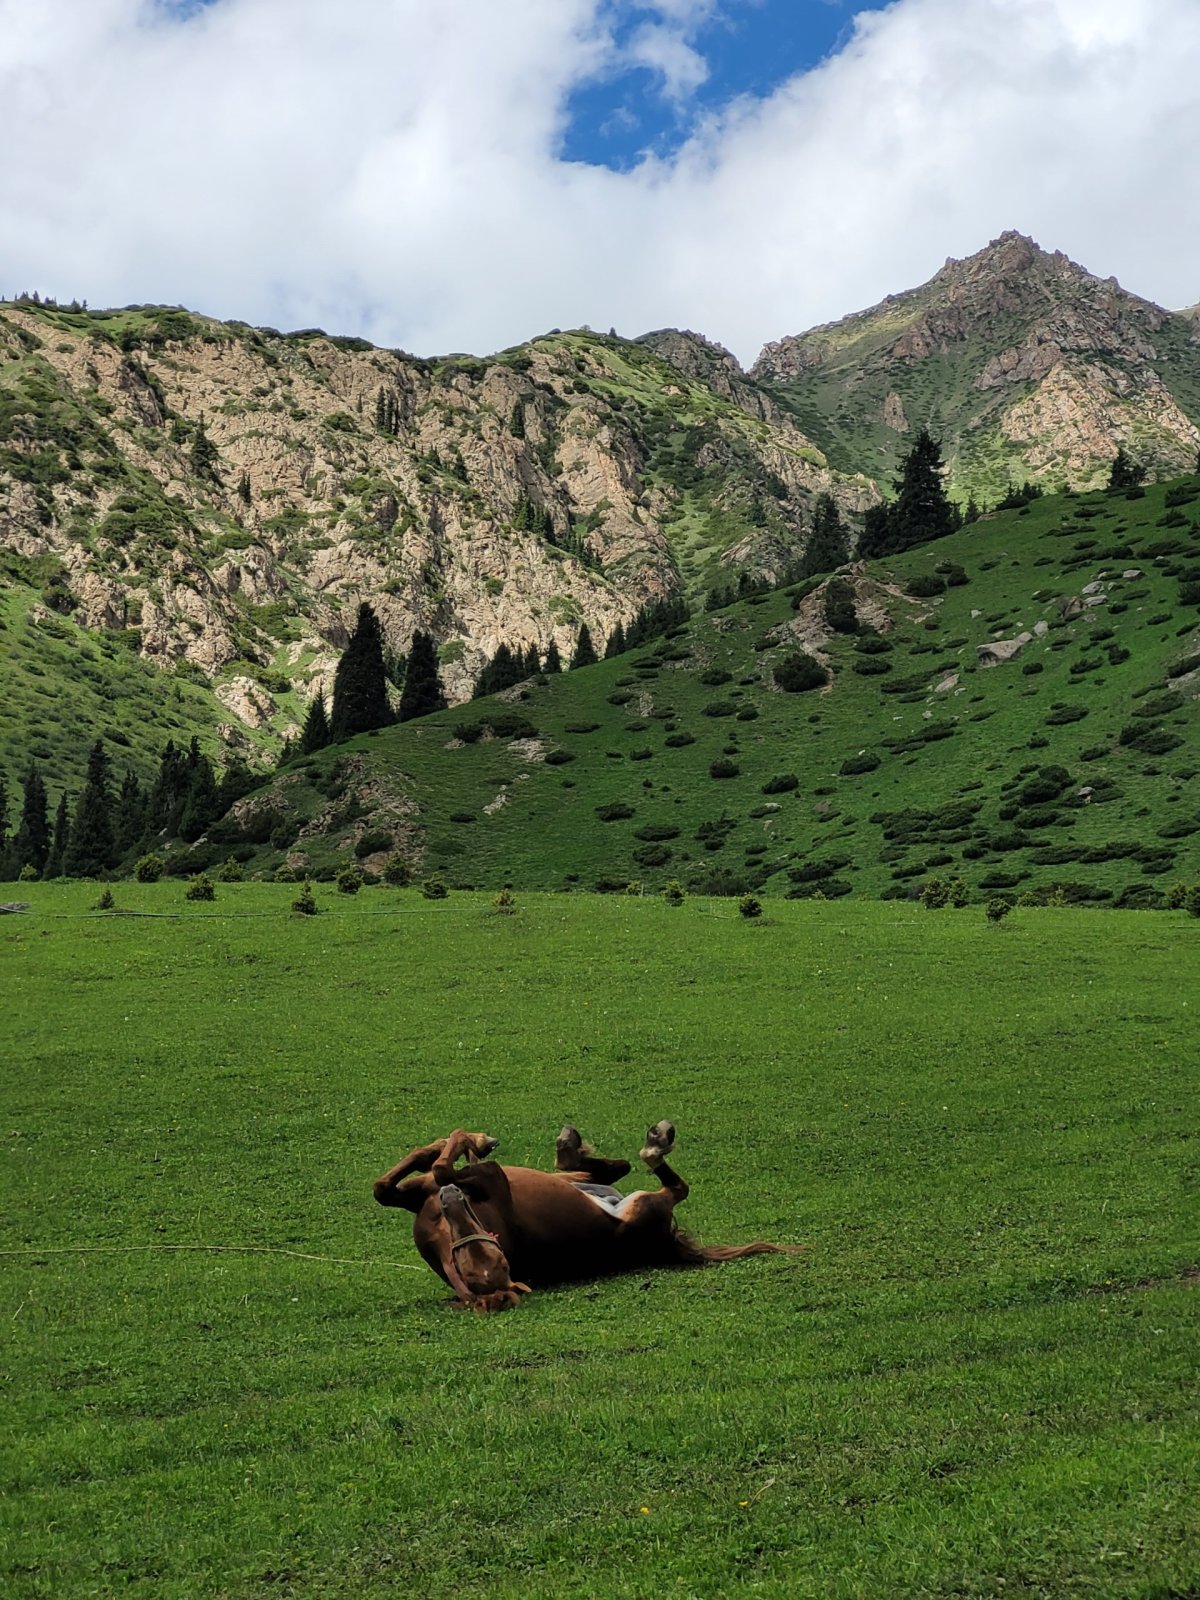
(748, 46)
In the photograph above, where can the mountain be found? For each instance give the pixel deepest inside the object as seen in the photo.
(217, 499)
(1023, 363)
(1018, 707)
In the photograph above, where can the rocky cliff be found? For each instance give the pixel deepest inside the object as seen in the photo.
(222, 497)
(1025, 364)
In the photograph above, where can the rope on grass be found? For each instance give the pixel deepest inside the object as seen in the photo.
(214, 1249)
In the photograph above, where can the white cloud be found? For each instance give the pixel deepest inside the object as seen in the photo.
(391, 166)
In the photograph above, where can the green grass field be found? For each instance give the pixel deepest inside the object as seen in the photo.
(979, 1380)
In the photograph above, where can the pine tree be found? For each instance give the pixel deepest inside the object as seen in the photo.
(205, 458)
(876, 537)
(360, 699)
(585, 651)
(422, 691)
(31, 843)
(130, 824)
(62, 832)
(200, 799)
(236, 781)
(921, 510)
(1125, 473)
(615, 644)
(90, 849)
(516, 422)
(170, 789)
(530, 664)
(553, 661)
(828, 546)
(315, 733)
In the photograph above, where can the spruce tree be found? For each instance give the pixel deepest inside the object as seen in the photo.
(90, 848)
(62, 832)
(1125, 473)
(876, 537)
(170, 789)
(200, 800)
(828, 546)
(315, 733)
(615, 644)
(553, 661)
(585, 651)
(31, 844)
(130, 824)
(530, 664)
(921, 510)
(422, 691)
(360, 699)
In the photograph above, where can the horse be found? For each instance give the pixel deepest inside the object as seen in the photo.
(493, 1232)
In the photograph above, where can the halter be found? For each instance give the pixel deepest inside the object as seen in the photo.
(482, 1237)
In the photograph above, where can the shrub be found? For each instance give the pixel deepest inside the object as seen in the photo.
(656, 831)
(958, 894)
(200, 888)
(372, 842)
(719, 708)
(634, 886)
(856, 764)
(106, 901)
(582, 727)
(434, 889)
(304, 903)
(149, 868)
(723, 768)
(396, 871)
(925, 585)
(1175, 896)
(286, 875)
(673, 892)
(462, 817)
(231, 871)
(998, 908)
(1061, 715)
(716, 676)
(872, 644)
(677, 741)
(1191, 900)
(652, 855)
(504, 903)
(935, 894)
(750, 906)
(782, 783)
(799, 672)
(559, 758)
(349, 880)
(617, 811)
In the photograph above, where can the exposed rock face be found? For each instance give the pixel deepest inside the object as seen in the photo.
(997, 651)
(234, 494)
(1043, 371)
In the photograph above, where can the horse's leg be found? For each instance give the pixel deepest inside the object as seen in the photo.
(577, 1161)
(475, 1146)
(390, 1190)
(660, 1141)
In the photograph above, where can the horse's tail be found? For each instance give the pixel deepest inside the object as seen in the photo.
(690, 1253)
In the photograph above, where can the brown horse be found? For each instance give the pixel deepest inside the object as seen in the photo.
(491, 1231)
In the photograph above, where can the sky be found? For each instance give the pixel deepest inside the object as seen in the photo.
(442, 175)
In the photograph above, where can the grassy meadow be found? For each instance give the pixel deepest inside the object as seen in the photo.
(979, 1380)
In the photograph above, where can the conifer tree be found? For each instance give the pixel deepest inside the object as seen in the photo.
(360, 699)
(585, 651)
(828, 546)
(170, 788)
(422, 691)
(315, 733)
(200, 798)
(877, 531)
(615, 645)
(236, 780)
(530, 664)
(31, 843)
(921, 510)
(130, 822)
(553, 661)
(62, 832)
(90, 849)
(1126, 472)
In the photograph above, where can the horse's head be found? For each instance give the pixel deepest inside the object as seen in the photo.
(477, 1266)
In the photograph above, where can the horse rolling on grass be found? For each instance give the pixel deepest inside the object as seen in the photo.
(491, 1232)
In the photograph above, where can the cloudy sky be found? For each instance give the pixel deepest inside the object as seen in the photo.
(461, 174)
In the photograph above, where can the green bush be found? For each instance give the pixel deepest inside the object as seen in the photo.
(106, 901)
(723, 768)
(935, 894)
(434, 889)
(149, 868)
(286, 875)
(799, 672)
(504, 903)
(782, 783)
(750, 906)
(673, 892)
(925, 585)
(349, 880)
(371, 842)
(200, 888)
(231, 871)
(396, 871)
(304, 903)
(617, 811)
(997, 908)
(856, 764)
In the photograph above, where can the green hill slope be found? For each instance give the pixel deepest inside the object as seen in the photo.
(1069, 764)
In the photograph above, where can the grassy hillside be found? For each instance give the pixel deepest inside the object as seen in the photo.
(1070, 764)
(978, 1380)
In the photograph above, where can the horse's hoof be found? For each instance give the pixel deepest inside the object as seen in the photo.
(660, 1141)
(484, 1147)
(569, 1149)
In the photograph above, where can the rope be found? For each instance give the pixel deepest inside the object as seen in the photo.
(215, 1249)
